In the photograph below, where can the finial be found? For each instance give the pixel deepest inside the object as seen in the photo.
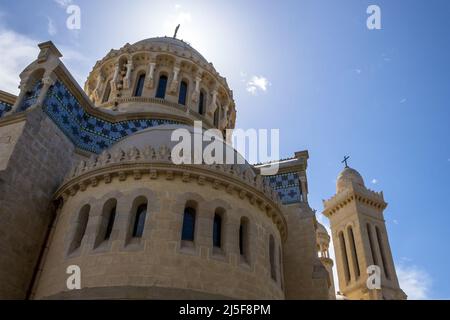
(176, 31)
(345, 161)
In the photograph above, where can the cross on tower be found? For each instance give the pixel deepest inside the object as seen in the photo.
(345, 161)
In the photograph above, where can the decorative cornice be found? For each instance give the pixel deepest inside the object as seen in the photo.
(149, 163)
(354, 193)
(7, 97)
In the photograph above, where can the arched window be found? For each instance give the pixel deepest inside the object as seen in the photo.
(371, 244)
(353, 251)
(383, 253)
(188, 224)
(216, 117)
(280, 264)
(107, 92)
(139, 221)
(217, 231)
(139, 85)
(80, 228)
(243, 239)
(201, 103)
(344, 256)
(273, 272)
(183, 93)
(161, 90)
(109, 226)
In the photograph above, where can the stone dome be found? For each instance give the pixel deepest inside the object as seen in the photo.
(322, 236)
(347, 178)
(162, 77)
(161, 136)
(321, 229)
(172, 43)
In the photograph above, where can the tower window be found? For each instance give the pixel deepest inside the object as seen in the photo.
(243, 239)
(273, 272)
(201, 103)
(353, 251)
(344, 256)
(383, 253)
(280, 263)
(80, 229)
(139, 221)
(109, 227)
(139, 86)
(188, 224)
(106, 93)
(371, 244)
(161, 90)
(183, 93)
(217, 231)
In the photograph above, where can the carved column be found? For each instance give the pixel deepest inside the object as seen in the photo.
(127, 79)
(96, 93)
(149, 79)
(213, 105)
(174, 83)
(304, 188)
(196, 93)
(115, 78)
(224, 118)
(47, 82)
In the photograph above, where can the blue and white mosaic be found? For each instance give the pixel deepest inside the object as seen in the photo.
(31, 97)
(4, 108)
(86, 131)
(288, 187)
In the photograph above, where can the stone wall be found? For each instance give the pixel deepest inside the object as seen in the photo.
(160, 265)
(305, 276)
(32, 165)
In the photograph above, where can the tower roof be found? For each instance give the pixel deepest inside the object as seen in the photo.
(347, 177)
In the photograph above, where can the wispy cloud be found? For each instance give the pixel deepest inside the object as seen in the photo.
(180, 16)
(51, 28)
(257, 84)
(415, 281)
(403, 100)
(17, 51)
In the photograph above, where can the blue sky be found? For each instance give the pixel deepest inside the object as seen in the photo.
(312, 69)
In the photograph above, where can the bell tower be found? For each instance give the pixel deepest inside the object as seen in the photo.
(361, 241)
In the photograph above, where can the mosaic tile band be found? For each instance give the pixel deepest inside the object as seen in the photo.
(4, 108)
(288, 187)
(92, 134)
(86, 131)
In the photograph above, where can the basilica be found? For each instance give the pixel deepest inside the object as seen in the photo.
(87, 180)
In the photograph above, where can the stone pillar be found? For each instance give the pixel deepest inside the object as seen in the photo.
(47, 82)
(149, 79)
(196, 93)
(212, 106)
(174, 83)
(304, 188)
(127, 79)
(96, 92)
(115, 77)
